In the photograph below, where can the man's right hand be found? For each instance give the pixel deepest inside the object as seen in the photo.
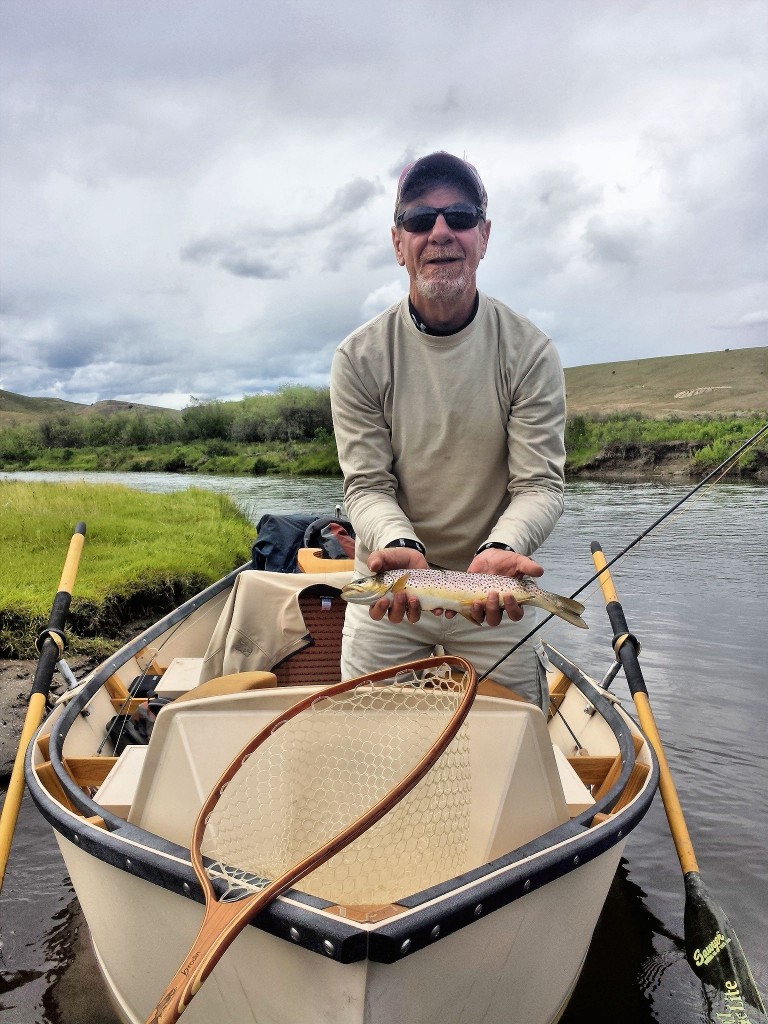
(402, 606)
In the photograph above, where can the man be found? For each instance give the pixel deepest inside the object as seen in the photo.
(449, 412)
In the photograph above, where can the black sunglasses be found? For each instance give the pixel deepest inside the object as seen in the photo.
(458, 217)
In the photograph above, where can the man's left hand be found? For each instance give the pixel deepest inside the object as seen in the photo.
(496, 562)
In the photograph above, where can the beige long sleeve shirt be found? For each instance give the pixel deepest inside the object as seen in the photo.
(454, 440)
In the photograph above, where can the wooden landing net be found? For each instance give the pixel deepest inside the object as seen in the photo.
(326, 768)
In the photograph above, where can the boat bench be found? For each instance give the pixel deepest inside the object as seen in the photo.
(517, 793)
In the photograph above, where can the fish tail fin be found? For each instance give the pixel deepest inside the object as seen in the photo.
(564, 607)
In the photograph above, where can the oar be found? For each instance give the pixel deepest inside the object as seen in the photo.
(712, 948)
(50, 644)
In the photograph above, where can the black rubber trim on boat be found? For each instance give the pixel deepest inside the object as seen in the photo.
(436, 912)
(148, 856)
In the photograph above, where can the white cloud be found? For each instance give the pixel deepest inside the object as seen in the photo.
(759, 316)
(196, 198)
(381, 298)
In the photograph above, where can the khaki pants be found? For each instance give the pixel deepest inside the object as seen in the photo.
(368, 646)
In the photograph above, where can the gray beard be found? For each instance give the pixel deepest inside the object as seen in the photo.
(439, 287)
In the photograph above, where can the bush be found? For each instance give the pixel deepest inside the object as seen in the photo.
(204, 420)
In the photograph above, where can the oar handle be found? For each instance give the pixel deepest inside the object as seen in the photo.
(50, 644)
(626, 646)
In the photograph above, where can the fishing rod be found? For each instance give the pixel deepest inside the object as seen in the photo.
(725, 466)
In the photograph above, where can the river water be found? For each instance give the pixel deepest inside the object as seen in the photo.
(696, 594)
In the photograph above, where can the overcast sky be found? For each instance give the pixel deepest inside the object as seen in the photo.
(197, 194)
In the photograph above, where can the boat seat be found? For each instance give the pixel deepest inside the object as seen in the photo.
(117, 791)
(312, 560)
(577, 796)
(181, 676)
(516, 789)
(319, 662)
(238, 682)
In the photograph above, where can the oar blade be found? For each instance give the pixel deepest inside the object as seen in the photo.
(715, 954)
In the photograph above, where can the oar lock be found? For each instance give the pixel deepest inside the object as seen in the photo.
(622, 638)
(51, 633)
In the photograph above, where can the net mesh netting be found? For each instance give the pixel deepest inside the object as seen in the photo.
(323, 769)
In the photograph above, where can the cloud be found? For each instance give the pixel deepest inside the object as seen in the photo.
(611, 241)
(352, 197)
(754, 319)
(232, 256)
(197, 198)
(264, 251)
(381, 298)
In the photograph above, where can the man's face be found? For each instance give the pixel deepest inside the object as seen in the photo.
(441, 263)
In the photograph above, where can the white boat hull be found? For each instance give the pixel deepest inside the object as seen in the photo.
(520, 963)
(504, 941)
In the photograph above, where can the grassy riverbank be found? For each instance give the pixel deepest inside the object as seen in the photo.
(645, 446)
(143, 554)
(289, 458)
(628, 443)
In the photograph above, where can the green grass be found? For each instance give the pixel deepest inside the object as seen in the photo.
(706, 441)
(291, 458)
(143, 554)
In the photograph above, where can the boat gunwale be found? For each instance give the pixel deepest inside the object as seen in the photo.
(489, 886)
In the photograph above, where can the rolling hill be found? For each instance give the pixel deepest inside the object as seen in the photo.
(16, 409)
(729, 382)
(717, 383)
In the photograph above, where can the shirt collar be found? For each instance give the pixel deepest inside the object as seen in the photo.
(421, 326)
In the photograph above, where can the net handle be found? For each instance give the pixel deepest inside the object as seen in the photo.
(223, 921)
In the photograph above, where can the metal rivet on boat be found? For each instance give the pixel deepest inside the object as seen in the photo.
(478, 909)
(621, 834)
(76, 838)
(186, 887)
(328, 947)
(294, 933)
(405, 946)
(575, 861)
(435, 933)
(128, 862)
(526, 885)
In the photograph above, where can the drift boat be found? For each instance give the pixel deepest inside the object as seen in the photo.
(499, 935)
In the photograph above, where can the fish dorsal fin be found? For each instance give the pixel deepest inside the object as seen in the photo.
(401, 584)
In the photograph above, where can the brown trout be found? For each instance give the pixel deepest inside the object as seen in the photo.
(457, 591)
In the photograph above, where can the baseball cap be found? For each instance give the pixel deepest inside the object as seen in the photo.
(440, 168)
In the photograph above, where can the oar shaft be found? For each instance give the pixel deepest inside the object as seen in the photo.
(712, 947)
(51, 649)
(625, 646)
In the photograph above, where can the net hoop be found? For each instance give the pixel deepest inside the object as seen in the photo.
(377, 810)
(227, 915)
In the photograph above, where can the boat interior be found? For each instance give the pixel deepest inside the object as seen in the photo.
(528, 775)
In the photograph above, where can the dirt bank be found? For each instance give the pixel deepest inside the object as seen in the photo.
(662, 460)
